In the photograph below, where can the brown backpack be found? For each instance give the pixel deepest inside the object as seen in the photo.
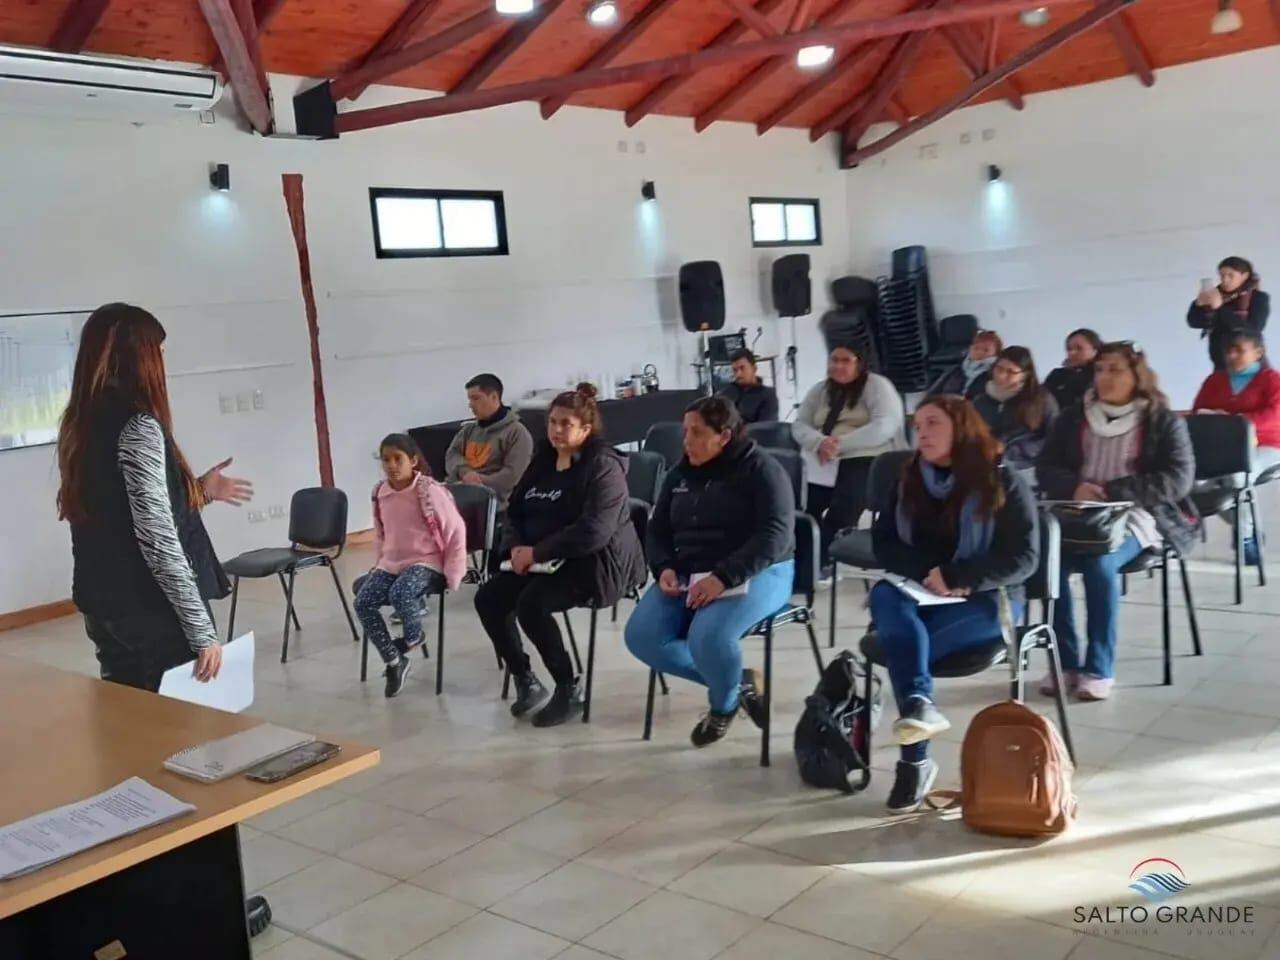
(1015, 774)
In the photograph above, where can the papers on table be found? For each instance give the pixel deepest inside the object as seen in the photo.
(49, 837)
(230, 690)
(818, 473)
(919, 593)
(219, 759)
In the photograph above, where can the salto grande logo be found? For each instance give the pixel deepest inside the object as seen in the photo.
(1163, 879)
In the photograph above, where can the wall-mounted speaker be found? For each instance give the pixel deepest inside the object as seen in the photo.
(792, 291)
(701, 295)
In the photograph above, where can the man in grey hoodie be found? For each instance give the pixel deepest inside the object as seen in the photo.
(493, 450)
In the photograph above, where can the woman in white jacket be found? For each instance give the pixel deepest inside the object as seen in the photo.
(850, 418)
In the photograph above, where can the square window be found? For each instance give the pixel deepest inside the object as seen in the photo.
(438, 223)
(785, 222)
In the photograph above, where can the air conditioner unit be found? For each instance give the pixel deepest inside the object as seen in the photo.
(47, 81)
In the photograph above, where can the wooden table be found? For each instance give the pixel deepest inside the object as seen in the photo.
(174, 890)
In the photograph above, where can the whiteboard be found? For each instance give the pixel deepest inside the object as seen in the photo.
(37, 358)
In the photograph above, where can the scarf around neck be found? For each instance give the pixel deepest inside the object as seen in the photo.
(973, 369)
(1109, 419)
(1242, 379)
(1239, 299)
(1001, 394)
(975, 533)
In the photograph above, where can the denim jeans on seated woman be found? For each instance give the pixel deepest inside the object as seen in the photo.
(913, 637)
(703, 645)
(1102, 609)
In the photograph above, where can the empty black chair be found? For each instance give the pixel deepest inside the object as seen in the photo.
(645, 470)
(666, 440)
(793, 463)
(773, 433)
(955, 334)
(317, 523)
(478, 506)
(1043, 586)
(1223, 447)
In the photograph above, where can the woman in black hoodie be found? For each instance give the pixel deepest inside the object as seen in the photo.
(1235, 304)
(721, 545)
(1071, 381)
(570, 506)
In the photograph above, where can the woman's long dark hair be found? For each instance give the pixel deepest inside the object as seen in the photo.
(841, 395)
(1027, 404)
(120, 358)
(975, 463)
(1148, 384)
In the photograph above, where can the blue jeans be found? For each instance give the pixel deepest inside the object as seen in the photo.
(703, 645)
(378, 588)
(1102, 608)
(912, 637)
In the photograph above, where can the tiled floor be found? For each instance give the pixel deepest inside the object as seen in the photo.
(482, 837)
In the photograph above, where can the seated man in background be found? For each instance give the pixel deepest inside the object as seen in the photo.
(756, 402)
(494, 449)
(1249, 387)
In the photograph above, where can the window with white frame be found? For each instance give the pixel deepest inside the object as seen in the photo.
(438, 223)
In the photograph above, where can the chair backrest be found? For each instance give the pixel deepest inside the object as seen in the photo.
(1223, 444)
(773, 433)
(479, 508)
(318, 518)
(645, 470)
(957, 330)
(883, 478)
(793, 463)
(640, 520)
(1044, 583)
(808, 555)
(666, 440)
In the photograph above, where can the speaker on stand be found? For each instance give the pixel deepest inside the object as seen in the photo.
(792, 298)
(702, 309)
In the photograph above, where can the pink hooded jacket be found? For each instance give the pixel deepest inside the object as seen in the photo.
(419, 525)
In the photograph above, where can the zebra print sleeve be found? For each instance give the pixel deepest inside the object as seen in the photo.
(140, 453)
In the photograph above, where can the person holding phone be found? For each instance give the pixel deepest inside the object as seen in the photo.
(1070, 382)
(721, 545)
(1234, 303)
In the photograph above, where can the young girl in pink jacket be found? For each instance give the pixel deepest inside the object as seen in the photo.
(420, 546)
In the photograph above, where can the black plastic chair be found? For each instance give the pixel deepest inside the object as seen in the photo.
(1223, 447)
(478, 506)
(317, 523)
(774, 434)
(667, 440)
(955, 334)
(854, 548)
(808, 543)
(1159, 559)
(792, 461)
(645, 470)
(1042, 586)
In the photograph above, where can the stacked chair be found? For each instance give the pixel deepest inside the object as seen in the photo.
(906, 330)
(954, 336)
(855, 319)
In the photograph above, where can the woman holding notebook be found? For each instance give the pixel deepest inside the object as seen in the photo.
(568, 541)
(721, 545)
(964, 526)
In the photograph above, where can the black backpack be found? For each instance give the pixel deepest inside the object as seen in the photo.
(832, 736)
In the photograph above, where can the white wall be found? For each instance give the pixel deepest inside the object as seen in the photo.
(96, 211)
(1115, 201)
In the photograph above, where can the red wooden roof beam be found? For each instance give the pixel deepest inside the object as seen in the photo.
(76, 24)
(969, 50)
(250, 94)
(1131, 47)
(511, 41)
(398, 34)
(819, 83)
(800, 16)
(886, 84)
(752, 17)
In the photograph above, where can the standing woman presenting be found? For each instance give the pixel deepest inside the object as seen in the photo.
(1234, 305)
(145, 568)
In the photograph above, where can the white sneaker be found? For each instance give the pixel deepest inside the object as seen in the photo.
(1050, 689)
(1094, 688)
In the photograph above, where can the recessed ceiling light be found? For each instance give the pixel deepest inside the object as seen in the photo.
(818, 55)
(1227, 19)
(602, 13)
(1037, 17)
(513, 8)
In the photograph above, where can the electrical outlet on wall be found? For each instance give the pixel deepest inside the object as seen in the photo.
(256, 516)
(275, 511)
(259, 401)
(243, 402)
(226, 404)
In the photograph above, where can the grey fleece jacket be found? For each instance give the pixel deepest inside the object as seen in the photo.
(499, 451)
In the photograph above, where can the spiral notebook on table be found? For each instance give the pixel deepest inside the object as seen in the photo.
(219, 759)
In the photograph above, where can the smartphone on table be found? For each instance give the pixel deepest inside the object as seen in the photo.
(295, 761)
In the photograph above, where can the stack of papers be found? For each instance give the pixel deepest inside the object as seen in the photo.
(49, 837)
(919, 592)
(219, 759)
(230, 690)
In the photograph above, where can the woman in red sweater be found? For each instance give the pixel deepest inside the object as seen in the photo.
(1249, 387)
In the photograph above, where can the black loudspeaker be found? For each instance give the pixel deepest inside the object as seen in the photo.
(701, 295)
(792, 292)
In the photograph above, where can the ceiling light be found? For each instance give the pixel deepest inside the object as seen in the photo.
(1227, 19)
(513, 8)
(810, 58)
(1036, 17)
(602, 13)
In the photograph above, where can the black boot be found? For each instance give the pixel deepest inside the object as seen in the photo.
(750, 697)
(712, 727)
(564, 703)
(529, 693)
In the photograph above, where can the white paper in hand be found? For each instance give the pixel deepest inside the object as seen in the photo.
(921, 594)
(818, 473)
(230, 690)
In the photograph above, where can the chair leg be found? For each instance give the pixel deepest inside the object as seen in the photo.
(1237, 537)
(1055, 669)
(768, 691)
(813, 645)
(364, 658)
(591, 667)
(867, 693)
(613, 614)
(1124, 584)
(284, 590)
(506, 683)
(648, 706)
(288, 608)
(573, 643)
(439, 646)
(662, 679)
(1257, 535)
(1164, 621)
(831, 626)
(231, 620)
(337, 585)
(1191, 607)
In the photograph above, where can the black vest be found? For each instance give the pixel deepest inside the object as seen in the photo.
(111, 579)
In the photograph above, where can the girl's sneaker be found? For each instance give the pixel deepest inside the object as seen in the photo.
(1094, 688)
(1050, 689)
